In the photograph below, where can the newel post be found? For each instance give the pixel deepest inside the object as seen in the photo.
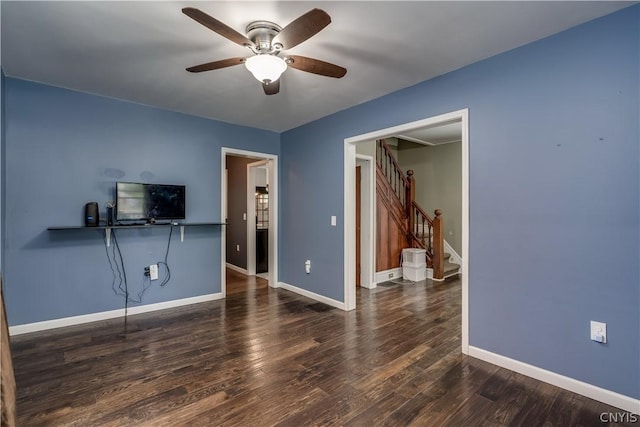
(410, 197)
(438, 245)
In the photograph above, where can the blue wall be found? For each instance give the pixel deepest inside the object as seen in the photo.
(64, 149)
(554, 197)
(2, 168)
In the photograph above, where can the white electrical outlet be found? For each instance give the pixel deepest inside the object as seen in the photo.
(307, 266)
(599, 332)
(153, 272)
(333, 220)
(237, 248)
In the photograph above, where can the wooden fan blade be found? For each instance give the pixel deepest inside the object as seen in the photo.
(302, 28)
(315, 66)
(223, 63)
(271, 88)
(217, 26)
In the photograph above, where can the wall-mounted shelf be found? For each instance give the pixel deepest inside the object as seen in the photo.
(107, 228)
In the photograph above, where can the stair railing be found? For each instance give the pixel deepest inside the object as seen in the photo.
(426, 233)
(393, 173)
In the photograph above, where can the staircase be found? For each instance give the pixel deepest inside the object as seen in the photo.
(402, 223)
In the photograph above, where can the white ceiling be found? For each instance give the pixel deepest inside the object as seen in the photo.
(138, 51)
(434, 135)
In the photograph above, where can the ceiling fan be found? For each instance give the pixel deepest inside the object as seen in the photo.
(267, 41)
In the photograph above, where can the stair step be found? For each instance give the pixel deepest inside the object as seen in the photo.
(451, 268)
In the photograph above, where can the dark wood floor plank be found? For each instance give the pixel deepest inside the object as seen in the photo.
(268, 357)
(377, 411)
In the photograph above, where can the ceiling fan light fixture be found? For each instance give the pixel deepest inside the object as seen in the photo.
(266, 68)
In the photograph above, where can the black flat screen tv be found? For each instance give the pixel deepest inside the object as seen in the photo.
(137, 201)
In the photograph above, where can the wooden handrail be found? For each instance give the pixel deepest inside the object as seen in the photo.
(387, 151)
(410, 198)
(391, 170)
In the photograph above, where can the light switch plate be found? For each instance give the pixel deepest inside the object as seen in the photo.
(599, 332)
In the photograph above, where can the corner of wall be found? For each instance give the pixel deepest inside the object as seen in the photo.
(2, 166)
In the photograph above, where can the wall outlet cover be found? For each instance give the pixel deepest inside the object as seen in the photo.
(153, 272)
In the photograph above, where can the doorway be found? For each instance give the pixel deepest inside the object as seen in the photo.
(349, 206)
(258, 218)
(268, 164)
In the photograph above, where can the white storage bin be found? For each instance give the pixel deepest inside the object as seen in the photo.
(415, 274)
(414, 257)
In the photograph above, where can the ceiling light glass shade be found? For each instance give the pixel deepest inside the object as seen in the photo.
(266, 68)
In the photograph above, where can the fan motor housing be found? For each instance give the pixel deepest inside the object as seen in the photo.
(262, 33)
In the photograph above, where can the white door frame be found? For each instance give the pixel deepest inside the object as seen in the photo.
(367, 221)
(251, 214)
(349, 206)
(272, 166)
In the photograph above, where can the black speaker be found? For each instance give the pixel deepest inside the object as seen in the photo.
(109, 215)
(91, 215)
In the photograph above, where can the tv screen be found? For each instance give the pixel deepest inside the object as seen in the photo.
(137, 201)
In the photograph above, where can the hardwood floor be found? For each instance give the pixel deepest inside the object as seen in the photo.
(267, 357)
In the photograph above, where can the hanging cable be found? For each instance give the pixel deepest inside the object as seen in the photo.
(113, 270)
(119, 282)
(166, 257)
(124, 273)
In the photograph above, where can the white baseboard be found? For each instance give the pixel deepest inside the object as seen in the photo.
(104, 315)
(383, 276)
(313, 295)
(430, 275)
(369, 285)
(600, 394)
(238, 269)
